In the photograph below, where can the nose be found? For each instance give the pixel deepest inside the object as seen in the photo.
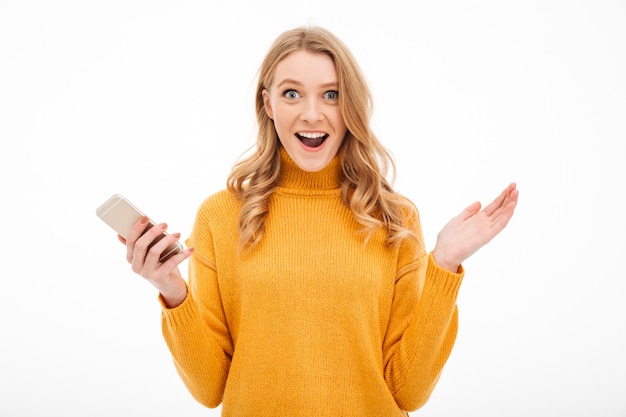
(312, 111)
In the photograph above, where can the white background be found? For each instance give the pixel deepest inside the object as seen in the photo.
(154, 99)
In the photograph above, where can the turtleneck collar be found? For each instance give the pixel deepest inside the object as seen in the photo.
(293, 177)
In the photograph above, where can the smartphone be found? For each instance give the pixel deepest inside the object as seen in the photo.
(121, 215)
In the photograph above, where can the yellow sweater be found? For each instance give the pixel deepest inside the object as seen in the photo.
(312, 322)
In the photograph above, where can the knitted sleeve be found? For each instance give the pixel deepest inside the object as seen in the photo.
(196, 331)
(422, 326)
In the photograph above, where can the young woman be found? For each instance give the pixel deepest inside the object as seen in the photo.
(310, 291)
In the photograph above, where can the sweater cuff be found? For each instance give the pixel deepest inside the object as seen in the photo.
(443, 279)
(181, 314)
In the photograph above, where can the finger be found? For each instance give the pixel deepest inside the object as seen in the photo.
(158, 248)
(139, 228)
(175, 260)
(135, 233)
(121, 239)
(499, 201)
(510, 204)
(149, 238)
(469, 211)
(504, 213)
(156, 252)
(143, 245)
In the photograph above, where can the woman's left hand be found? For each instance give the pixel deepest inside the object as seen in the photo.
(473, 228)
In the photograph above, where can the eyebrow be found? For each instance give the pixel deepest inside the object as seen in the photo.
(298, 83)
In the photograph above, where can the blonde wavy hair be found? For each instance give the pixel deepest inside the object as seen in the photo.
(365, 162)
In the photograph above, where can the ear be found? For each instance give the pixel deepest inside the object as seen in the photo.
(267, 105)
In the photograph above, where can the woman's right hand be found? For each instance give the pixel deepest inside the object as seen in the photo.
(144, 260)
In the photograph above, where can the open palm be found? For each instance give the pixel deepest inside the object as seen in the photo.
(473, 228)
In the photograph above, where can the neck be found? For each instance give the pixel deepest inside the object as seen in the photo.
(293, 176)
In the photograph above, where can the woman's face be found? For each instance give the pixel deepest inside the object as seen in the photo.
(303, 102)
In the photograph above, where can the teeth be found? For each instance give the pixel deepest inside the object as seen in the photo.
(312, 135)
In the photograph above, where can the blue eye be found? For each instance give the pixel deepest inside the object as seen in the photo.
(331, 95)
(291, 94)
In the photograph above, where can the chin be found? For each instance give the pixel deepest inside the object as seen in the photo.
(313, 166)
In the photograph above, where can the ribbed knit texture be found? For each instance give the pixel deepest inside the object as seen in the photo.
(312, 322)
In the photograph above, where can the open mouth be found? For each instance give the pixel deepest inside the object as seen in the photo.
(312, 140)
